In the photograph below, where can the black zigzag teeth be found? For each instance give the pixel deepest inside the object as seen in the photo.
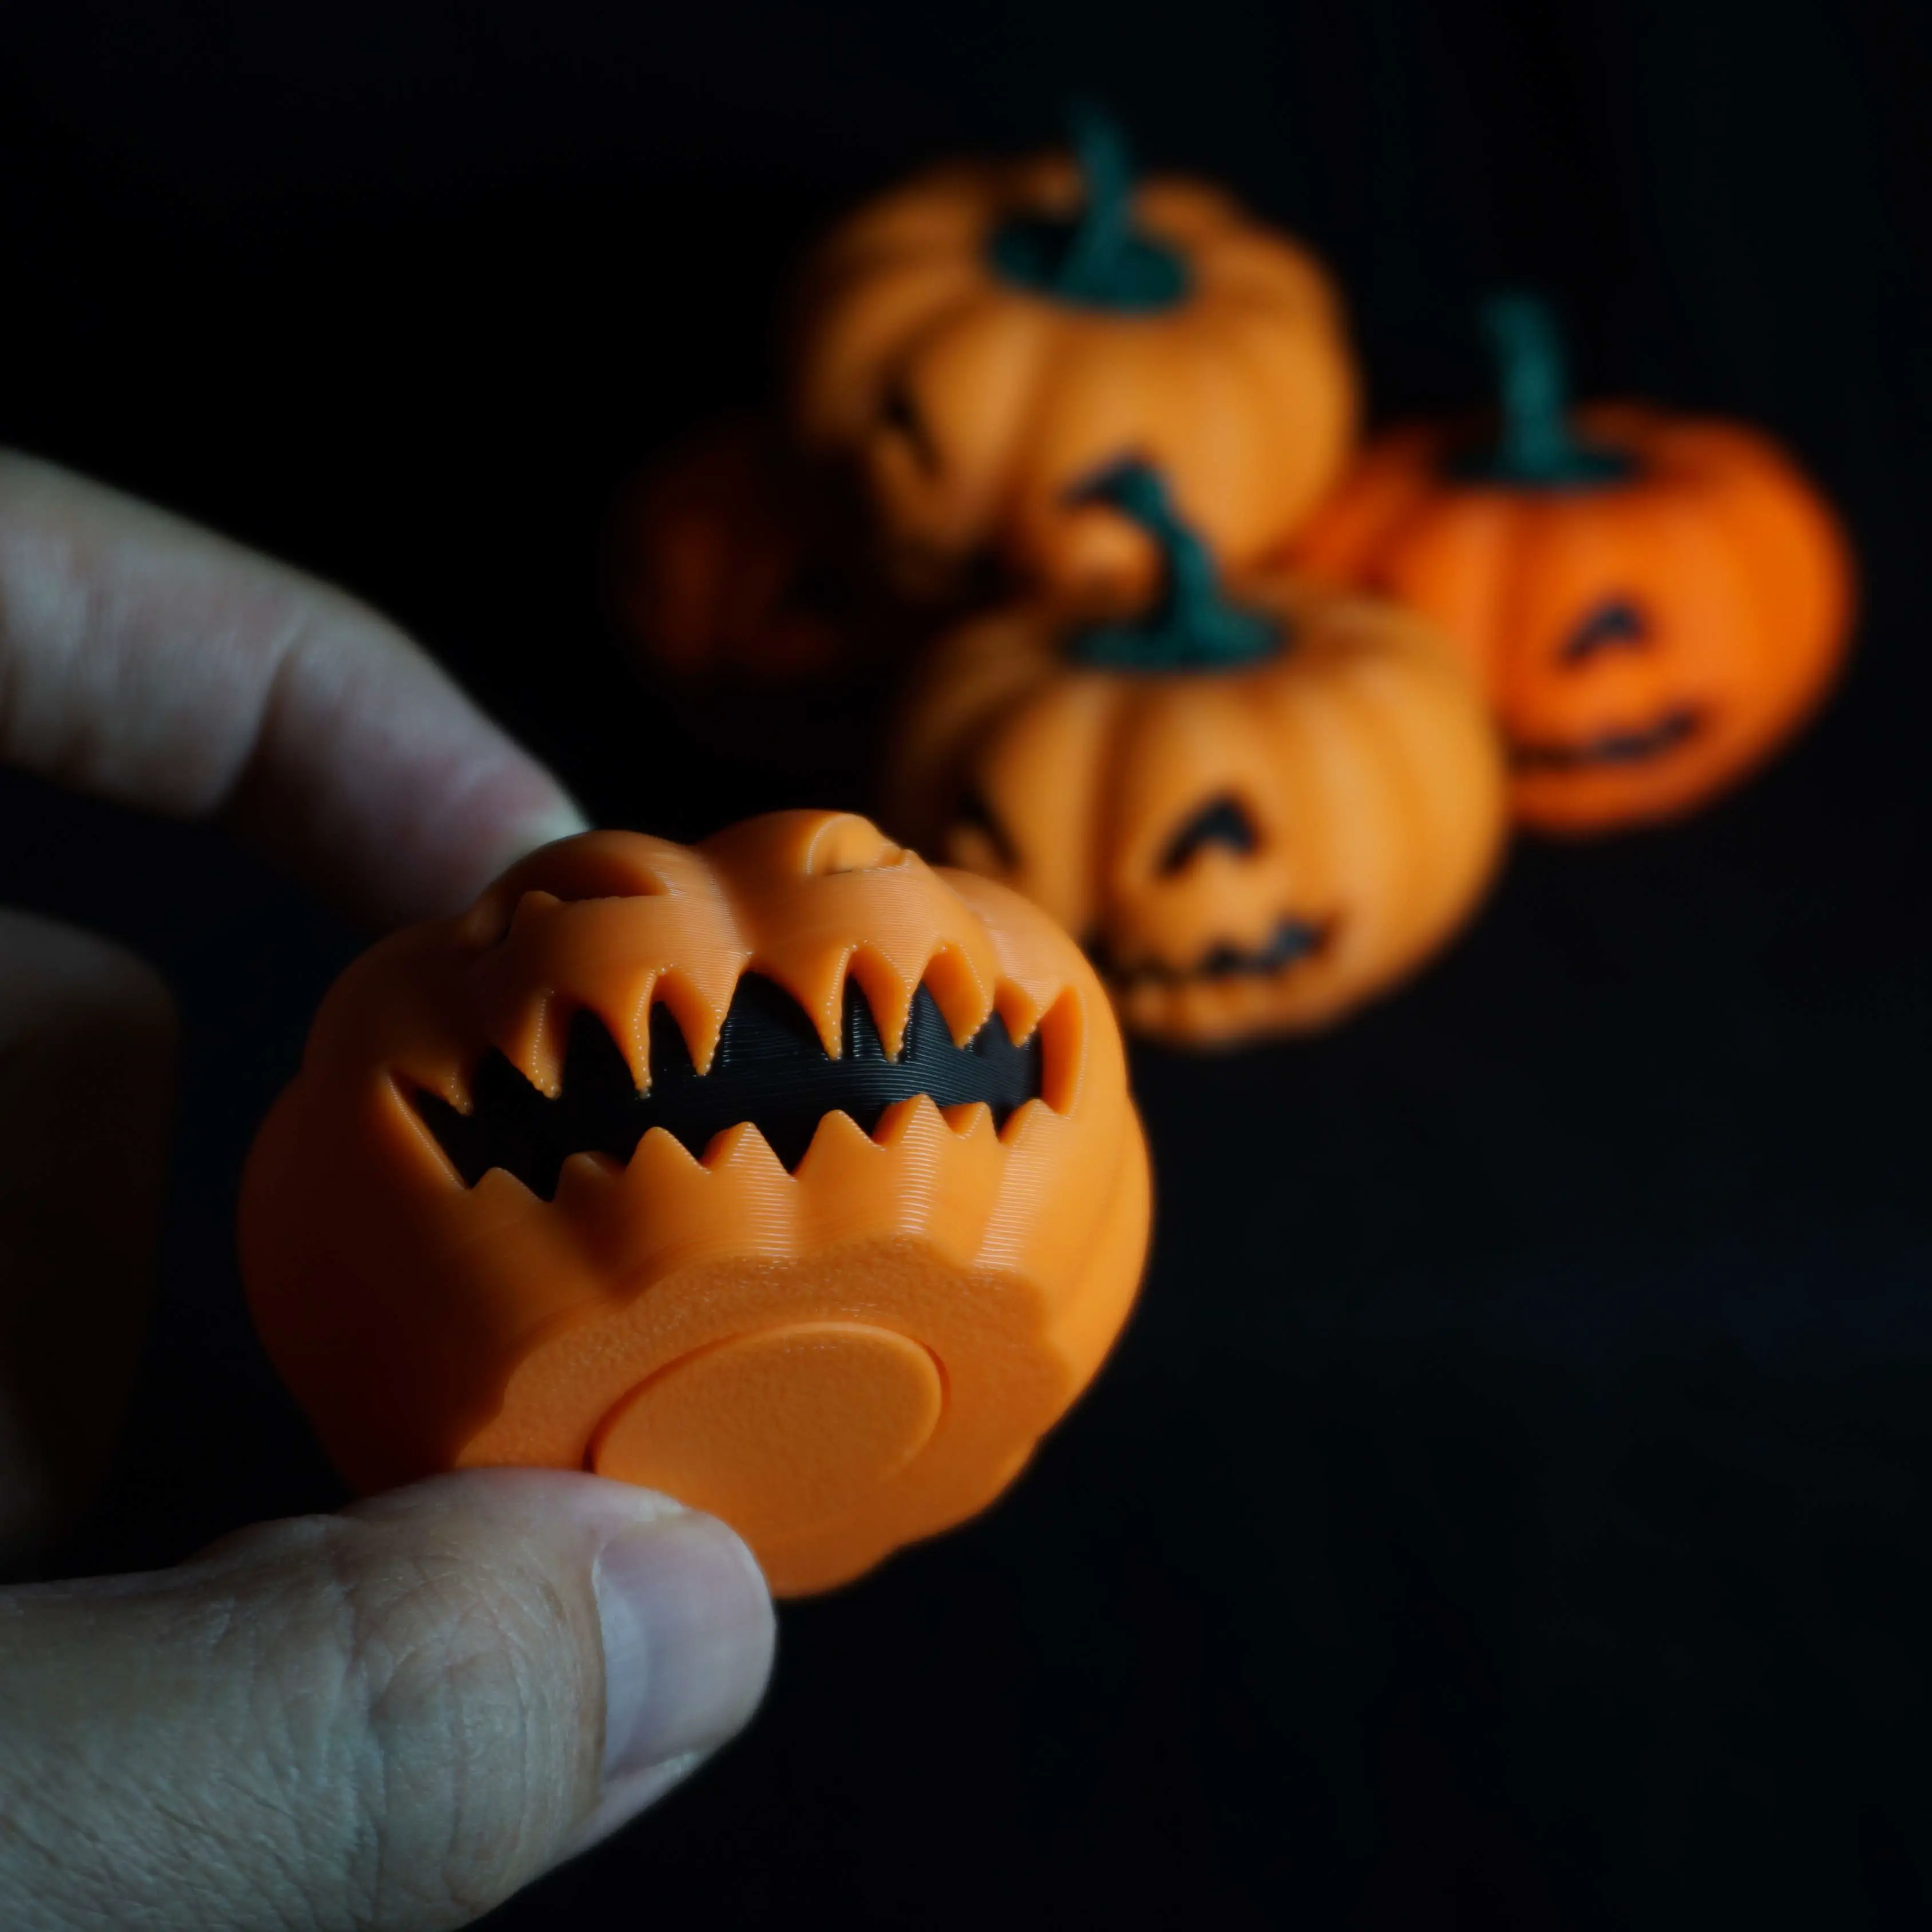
(770, 1071)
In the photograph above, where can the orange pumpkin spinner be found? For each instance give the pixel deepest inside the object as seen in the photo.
(1655, 603)
(982, 338)
(783, 1173)
(1257, 814)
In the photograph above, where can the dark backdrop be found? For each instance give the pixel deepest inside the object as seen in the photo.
(1509, 1506)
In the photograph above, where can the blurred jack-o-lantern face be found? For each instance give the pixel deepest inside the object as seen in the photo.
(1619, 686)
(1256, 816)
(973, 344)
(1654, 604)
(784, 1174)
(739, 589)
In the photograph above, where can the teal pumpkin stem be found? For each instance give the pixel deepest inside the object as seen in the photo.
(1191, 624)
(1107, 211)
(1097, 259)
(1534, 384)
(1535, 447)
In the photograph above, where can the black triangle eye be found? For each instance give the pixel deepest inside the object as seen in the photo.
(898, 412)
(974, 814)
(1222, 821)
(1615, 624)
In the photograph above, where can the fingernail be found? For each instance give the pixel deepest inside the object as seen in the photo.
(563, 820)
(687, 1626)
(622, 1800)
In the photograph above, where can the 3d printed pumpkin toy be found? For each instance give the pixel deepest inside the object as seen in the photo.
(974, 343)
(784, 1174)
(1655, 603)
(1259, 806)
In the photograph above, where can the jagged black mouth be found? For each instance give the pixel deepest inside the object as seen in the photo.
(770, 1071)
(1612, 748)
(1292, 940)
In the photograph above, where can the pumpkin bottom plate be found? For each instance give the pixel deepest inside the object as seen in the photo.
(784, 1429)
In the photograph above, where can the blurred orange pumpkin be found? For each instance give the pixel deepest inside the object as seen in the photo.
(739, 588)
(975, 343)
(1257, 814)
(1654, 603)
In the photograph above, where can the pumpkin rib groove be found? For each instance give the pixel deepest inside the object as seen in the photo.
(1368, 811)
(870, 334)
(1463, 816)
(984, 481)
(1781, 524)
(1416, 836)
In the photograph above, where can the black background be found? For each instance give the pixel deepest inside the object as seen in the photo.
(1509, 1506)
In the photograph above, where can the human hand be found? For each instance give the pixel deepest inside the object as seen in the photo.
(395, 1716)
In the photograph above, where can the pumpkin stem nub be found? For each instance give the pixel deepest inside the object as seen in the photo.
(1107, 180)
(1534, 448)
(1534, 383)
(1096, 259)
(1191, 625)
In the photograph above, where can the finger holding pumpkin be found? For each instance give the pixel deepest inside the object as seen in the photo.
(976, 342)
(1258, 813)
(784, 1174)
(1655, 603)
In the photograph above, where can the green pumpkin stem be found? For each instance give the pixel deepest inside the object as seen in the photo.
(1107, 208)
(1096, 258)
(1534, 384)
(1191, 624)
(1535, 447)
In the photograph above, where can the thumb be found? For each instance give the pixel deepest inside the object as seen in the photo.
(390, 1718)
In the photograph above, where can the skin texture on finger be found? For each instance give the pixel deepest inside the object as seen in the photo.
(153, 663)
(393, 1718)
(87, 1060)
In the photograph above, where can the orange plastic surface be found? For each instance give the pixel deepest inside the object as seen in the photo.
(1361, 759)
(838, 1360)
(1737, 572)
(969, 409)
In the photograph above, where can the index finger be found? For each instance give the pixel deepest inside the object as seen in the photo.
(150, 661)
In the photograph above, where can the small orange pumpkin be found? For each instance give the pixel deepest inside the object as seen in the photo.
(1258, 815)
(1654, 603)
(740, 588)
(980, 339)
(784, 1174)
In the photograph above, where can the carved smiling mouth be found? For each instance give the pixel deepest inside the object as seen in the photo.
(1292, 940)
(1611, 747)
(770, 1071)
